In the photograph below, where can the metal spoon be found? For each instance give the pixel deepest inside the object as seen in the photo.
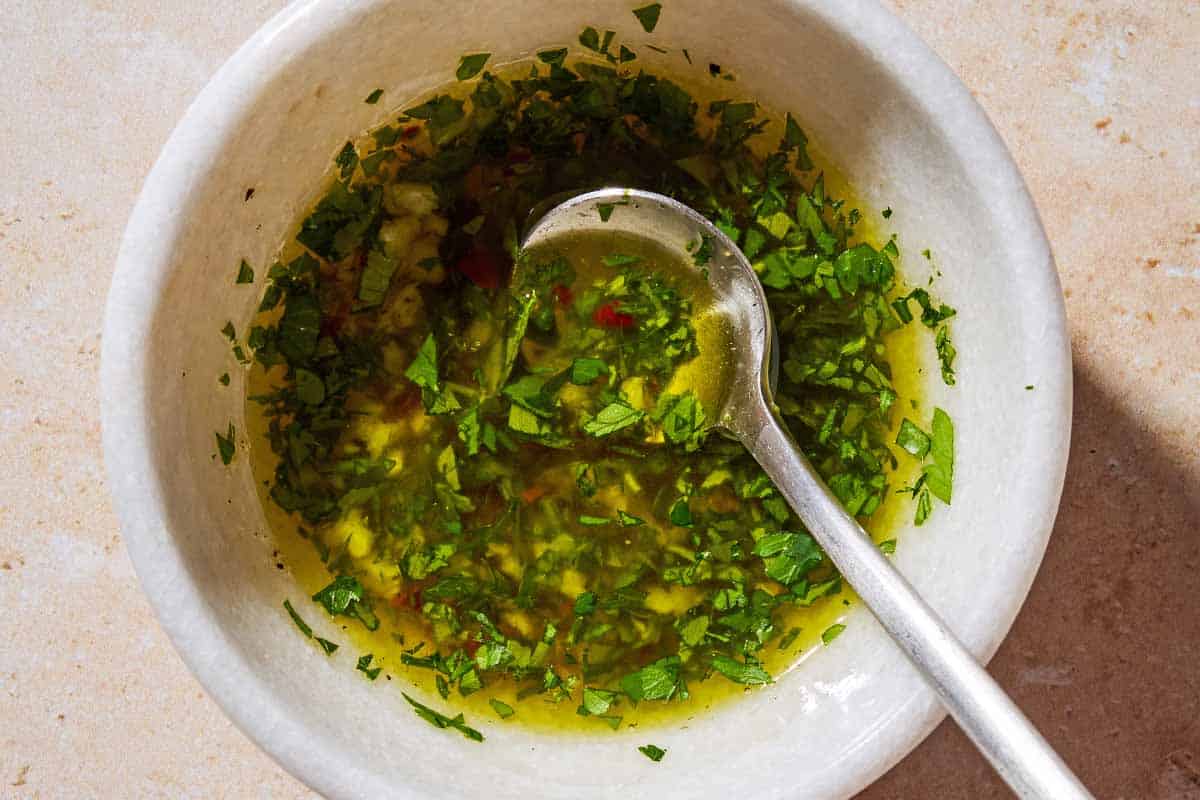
(997, 727)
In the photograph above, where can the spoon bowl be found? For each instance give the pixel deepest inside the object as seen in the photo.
(747, 412)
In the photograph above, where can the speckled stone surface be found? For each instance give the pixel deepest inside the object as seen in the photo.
(1100, 103)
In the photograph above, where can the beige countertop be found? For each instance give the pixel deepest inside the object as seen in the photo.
(1100, 104)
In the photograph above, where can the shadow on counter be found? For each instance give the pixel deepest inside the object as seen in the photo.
(1105, 655)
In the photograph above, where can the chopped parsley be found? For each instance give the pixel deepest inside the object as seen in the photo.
(648, 16)
(364, 666)
(502, 709)
(439, 720)
(373, 97)
(471, 65)
(652, 752)
(227, 445)
(245, 273)
(831, 633)
(492, 445)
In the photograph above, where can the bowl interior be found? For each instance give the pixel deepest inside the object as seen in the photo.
(879, 106)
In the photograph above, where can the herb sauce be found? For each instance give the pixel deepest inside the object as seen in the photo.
(505, 485)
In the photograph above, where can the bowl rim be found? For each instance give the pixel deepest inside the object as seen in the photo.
(160, 215)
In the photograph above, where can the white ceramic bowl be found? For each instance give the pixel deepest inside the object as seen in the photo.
(881, 106)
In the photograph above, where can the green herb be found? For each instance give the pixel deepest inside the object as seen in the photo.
(597, 701)
(227, 445)
(648, 16)
(555, 57)
(832, 632)
(376, 278)
(612, 418)
(681, 514)
(346, 597)
(224, 379)
(788, 556)
(471, 65)
(229, 331)
(245, 273)
(739, 672)
(946, 354)
(438, 720)
(502, 709)
(590, 38)
(657, 681)
(652, 752)
(300, 623)
(605, 210)
(326, 645)
(887, 213)
(347, 160)
(373, 97)
(586, 370)
(585, 604)
(914, 440)
(619, 260)
(924, 507)
(629, 520)
(939, 476)
(444, 115)
(887, 547)
(364, 666)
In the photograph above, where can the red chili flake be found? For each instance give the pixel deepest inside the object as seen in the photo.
(532, 494)
(482, 268)
(607, 316)
(409, 597)
(564, 295)
(471, 646)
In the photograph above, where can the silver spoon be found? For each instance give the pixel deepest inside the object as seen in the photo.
(997, 727)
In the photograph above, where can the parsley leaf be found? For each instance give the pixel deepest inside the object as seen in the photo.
(597, 701)
(376, 278)
(346, 597)
(940, 474)
(740, 672)
(612, 418)
(227, 445)
(364, 666)
(245, 273)
(912, 439)
(648, 16)
(832, 632)
(442, 721)
(946, 354)
(347, 160)
(585, 604)
(656, 681)
(683, 419)
(300, 623)
(373, 97)
(471, 65)
(788, 556)
(586, 370)
(502, 709)
(629, 520)
(652, 752)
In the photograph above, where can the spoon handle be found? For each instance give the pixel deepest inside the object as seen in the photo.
(988, 716)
